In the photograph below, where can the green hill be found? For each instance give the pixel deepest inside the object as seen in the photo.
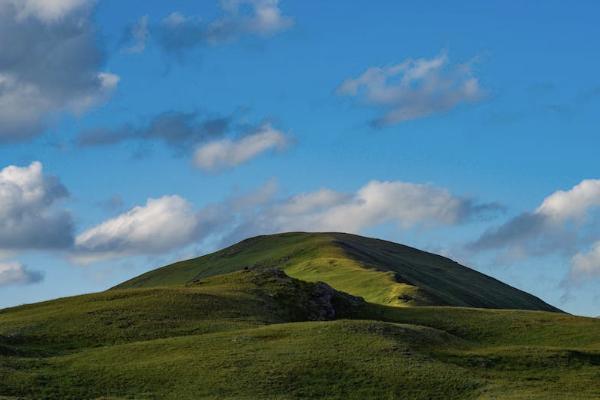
(258, 333)
(381, 272)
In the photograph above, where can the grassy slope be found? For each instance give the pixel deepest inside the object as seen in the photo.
(379, 271)
(228, 302)
(230, 337)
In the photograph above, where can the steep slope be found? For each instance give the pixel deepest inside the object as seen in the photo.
(381, 272)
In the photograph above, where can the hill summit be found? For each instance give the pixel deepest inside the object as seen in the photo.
(252, 321)
(379, 271)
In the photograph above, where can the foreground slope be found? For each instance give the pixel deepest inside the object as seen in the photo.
(240, 300)
(259, 334)
(379, 271)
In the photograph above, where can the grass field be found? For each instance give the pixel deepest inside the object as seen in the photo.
(232, 336)
(258, 333)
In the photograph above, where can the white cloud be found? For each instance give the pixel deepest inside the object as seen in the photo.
(49, 64)
(586, 265)
(171, 222)
(160, 225)
(573, 203)
(228, 153)
(402, 203)
(414, 88)
(28, 218)
(14, 273)
(312, 202)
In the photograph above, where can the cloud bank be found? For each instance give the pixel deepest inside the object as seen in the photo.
(50, 64)
(378, 202)
(414, 88)
(171, 222)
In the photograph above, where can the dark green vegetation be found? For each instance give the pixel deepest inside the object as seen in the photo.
(381, 272)
(257, 333)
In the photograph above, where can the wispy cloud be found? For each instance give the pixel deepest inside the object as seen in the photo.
(229, 153)
(137, 36)
(177, 32)
(217, 142)
(414, 88)
(180, 130)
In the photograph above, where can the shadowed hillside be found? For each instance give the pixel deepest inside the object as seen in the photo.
(381, 272)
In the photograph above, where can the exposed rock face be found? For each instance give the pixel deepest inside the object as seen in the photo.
(304, 300)
(332, 304)
(321, 302)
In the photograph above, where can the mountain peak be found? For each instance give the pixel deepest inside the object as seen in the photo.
(379, 271)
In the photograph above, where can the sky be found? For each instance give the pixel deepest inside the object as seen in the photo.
(134, 134)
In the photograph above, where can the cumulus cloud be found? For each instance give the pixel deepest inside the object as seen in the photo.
(160, 225)
(45, 10)
(586, 265)
(138, 35)
(414, 88)
(50, 63)
(572, 204)
(164, 224)
(378, 202)
(14, 273)
(228, 153)
(552, 227)
(178, 32)
(180, 130)
(171, 222)
(28, 216)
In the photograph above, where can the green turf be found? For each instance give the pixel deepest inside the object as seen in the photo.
(379, 271)
(259, 334)
(227, 302)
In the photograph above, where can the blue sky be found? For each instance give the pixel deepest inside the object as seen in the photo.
(135, 134)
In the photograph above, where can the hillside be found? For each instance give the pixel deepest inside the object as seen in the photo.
(381, 272)
(260, 334)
